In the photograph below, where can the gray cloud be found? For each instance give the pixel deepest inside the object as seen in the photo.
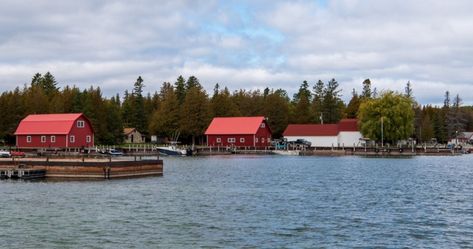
(241, 44)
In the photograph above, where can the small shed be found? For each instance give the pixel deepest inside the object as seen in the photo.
(239, 132)
(133, 136)
(66, 130)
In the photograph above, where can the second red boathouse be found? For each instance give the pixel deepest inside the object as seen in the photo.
(239, 132)
(70, 130)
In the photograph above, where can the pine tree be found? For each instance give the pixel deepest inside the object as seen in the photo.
(352, 108)
(195, 112)
(317, 103)
(222, 104)
(332, 105)
(180, 89)
(366, 93)
(165, 120)
(301, 102)
(49, 85)
(138, 120)
(192, 82)
(276, 109)
(456, 121)
(408, 90)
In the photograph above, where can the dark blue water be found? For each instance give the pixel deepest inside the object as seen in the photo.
(251, 202)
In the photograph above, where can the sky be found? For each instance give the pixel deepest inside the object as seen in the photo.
(242, 44)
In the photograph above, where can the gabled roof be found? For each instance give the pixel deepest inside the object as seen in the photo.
(39, 124)
(321, 129)
(348, 125)
(311, 130)
(128, 131)
(467, 134)
(234, 125)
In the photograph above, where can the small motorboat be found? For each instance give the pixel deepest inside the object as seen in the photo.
(173, 150)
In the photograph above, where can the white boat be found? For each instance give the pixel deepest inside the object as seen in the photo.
(286, 152)
(172, 150)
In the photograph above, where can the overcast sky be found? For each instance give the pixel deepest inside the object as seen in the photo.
(241, 44)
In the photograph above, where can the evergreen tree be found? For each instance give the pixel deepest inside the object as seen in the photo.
(408, 90)
(276, 109)
(317, 103)
(332, 105)
(127, 109)
(195, 112)
(192, 82)
(180, 89)
(165, 120)
(302, 100)
(138, 120)
(446, 102)
(49, 85)
(222, 104)
(352, 108)
(456, 121)
(427, 129)
(366, 93)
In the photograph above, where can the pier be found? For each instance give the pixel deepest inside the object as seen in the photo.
(75, 168)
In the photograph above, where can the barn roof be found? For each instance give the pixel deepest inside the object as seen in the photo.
(39, 124)
(234, 125)
(321, 129)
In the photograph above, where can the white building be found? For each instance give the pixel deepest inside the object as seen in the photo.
(343, 134)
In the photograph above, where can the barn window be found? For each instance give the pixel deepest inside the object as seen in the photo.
(72, 139)
(88, 139)
(231, 140)
(242, 140)
(28, 139)
(80, 124)
(263, 125)
(53, 139)
(219, 140)
(262, 139)
(43, 139)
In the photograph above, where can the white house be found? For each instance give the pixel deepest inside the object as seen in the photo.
(343, 134)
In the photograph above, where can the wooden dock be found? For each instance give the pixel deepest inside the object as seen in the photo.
(78, 169)
(22, 173)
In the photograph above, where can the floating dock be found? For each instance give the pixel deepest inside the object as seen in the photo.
(78, 169)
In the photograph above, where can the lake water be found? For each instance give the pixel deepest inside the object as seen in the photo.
(251, 202)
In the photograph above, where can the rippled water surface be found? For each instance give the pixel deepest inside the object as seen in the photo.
(251, 202)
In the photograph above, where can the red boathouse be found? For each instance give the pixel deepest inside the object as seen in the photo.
(239, 132)
(70, 130)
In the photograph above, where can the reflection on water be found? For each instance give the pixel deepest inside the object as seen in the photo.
(251, 201)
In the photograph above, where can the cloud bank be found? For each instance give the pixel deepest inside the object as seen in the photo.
(241, 44)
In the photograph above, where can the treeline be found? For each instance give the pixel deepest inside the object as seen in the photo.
(185, 108)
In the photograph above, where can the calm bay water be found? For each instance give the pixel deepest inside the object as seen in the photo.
(251, 202)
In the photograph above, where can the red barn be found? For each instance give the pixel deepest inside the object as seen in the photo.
(72, 130)
(239, 132)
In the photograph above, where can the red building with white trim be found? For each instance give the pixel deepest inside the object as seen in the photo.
(70, 130)
(239, 132)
